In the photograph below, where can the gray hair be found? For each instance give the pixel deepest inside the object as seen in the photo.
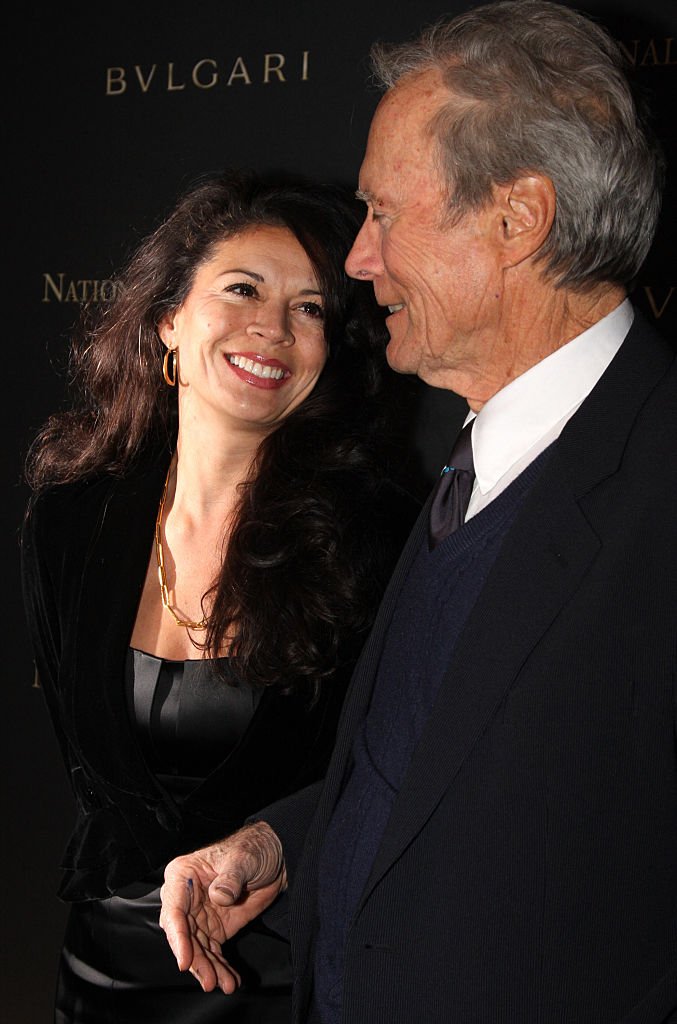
(538, 88)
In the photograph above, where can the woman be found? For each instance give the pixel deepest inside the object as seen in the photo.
(207, 542)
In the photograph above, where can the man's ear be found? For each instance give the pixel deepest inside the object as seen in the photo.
(527, 207)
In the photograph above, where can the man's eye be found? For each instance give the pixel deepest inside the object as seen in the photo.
(243, 288)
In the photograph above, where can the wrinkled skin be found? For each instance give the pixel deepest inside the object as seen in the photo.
(210, 894)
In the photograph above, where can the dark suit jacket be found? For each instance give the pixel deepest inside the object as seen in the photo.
(85, 551)
(528, 873)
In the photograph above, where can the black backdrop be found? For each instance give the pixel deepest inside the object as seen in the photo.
(113, 110)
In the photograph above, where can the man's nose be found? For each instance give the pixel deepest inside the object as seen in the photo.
(364, 261)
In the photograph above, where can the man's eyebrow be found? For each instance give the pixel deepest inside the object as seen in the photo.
(365, 196)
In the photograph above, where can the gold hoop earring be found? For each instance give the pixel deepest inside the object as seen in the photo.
(170, 378)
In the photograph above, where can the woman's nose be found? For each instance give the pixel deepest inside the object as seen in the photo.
(272, 323)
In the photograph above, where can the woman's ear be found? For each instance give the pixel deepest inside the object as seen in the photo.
(166, 330)
(527, 206)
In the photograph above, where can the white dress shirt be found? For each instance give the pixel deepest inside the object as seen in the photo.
(529, 413)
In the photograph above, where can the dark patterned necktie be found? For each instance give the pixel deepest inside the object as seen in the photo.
(453, 489)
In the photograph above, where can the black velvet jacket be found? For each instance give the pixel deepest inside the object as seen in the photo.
(85, 550)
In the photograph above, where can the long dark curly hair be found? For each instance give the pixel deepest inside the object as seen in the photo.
(304, 563)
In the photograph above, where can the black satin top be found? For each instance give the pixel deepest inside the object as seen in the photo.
(188, 718)
(89, 540)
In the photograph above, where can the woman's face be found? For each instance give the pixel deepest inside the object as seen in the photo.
(249, 337)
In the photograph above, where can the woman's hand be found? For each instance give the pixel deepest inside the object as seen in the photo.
(210, 894)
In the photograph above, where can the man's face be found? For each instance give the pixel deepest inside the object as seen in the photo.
(442, 283)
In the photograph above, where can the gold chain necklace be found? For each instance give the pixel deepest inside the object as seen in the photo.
(162, 575)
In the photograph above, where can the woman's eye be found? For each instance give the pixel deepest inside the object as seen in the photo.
(312, 309)
(244, 288)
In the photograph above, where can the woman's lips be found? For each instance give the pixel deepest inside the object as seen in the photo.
(255, 369)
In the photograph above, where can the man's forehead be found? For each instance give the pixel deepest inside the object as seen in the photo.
(400, 127)
(414, 100)
(395, 164)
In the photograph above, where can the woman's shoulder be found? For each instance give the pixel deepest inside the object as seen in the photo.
(70, 506)
(57, 526)
(62, 518)
(66, 506)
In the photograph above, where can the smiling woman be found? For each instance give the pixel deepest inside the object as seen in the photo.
(251, 331)
(208, 539)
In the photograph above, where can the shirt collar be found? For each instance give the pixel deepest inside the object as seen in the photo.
(531, 405)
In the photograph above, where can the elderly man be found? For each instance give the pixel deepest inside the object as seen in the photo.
(496, 838)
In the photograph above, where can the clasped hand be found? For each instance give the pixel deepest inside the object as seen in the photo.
(210, 894)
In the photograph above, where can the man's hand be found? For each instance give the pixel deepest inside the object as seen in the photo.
(210, 894)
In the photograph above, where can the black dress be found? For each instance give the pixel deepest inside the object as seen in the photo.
(139, 798)
(116, 966)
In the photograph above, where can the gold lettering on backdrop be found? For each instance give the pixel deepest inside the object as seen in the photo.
(650, 53)
(239, 71)
(273, 64)
(655, 308)
(171, 86)
(631, 54)
(196, 70)
(206, 73)
(145, 82)
(56, 289)
(115, 81)
(59, 288)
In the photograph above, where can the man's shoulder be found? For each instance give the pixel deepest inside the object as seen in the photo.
(655, 364)
(645, 339)
(641, 376)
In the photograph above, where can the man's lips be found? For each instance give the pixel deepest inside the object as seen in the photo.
(253, 368)
(391, 307)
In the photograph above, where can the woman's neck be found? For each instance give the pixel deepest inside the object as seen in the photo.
(208, 468)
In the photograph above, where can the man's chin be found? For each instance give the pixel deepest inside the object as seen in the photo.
(402, 355)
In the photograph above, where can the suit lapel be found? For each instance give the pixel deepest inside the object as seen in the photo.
(302, 907)
(541, 562)
(543, 559)
(359, 693)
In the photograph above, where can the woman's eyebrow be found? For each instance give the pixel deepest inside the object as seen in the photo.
(243, 270)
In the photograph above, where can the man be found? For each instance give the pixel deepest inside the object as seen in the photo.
(496, 838)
